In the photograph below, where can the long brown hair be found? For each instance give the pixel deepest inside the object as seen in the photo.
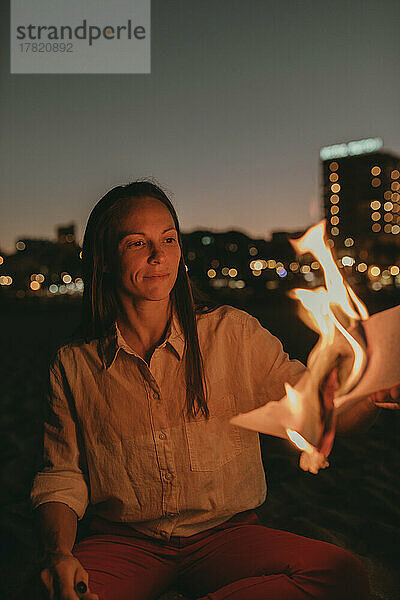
(100, 303)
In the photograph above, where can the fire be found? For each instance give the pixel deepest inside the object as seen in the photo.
(354, 357)
(336, 314)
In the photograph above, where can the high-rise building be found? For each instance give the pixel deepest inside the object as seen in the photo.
(361, 193)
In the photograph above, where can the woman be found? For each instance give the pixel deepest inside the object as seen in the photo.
(138, 438)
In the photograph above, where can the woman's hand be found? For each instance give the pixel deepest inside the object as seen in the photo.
(389, 398)
(61, 578)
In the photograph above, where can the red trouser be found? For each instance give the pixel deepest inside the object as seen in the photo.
(239, 560)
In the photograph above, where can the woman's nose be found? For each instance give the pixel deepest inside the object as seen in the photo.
(157, 254)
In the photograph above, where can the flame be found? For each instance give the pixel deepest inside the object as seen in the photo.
(299, 441)
(335, 311)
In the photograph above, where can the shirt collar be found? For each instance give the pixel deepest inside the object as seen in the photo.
(111, 344)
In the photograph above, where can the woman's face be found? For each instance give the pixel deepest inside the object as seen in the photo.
(148, 251)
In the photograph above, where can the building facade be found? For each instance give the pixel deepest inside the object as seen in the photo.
(361, 196)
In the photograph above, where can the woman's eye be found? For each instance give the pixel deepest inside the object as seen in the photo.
(136, 244)
(170, 240)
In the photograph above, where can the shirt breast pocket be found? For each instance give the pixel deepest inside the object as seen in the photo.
(213, 442)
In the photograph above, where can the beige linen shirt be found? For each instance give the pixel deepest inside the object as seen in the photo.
(117, 436)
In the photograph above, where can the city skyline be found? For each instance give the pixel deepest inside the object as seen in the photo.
(230, 121)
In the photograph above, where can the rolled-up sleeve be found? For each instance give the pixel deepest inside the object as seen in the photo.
(269, 364)
(61, 478)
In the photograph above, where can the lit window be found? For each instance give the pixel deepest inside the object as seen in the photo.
(376, 227)
(334, 210)
(375, 170)
(395, 174)
(376, 216)
(395, 197)
(362, 267)
(387, 195)
(347, 261)
(395, 186)
(333, 166)
(20, 245)
(333, 177)
(335, 220)
(305, 269)
(335, 187)
(206, 240)
(225, 271)
(348, 242)
(315, 265)
(395, 229)
(6, 280)
(257, 265)
(253, 251)
(271, 264)
(394, 270)
(375, 204)
(334, 199)
(376, 182)
(335, 231)
(375, 271)
(388, 228)
(34, 285)
(388, 217)
(211, 273)
(294, 266)
(232, 272)
(388, 206)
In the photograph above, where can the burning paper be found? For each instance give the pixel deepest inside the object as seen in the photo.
(354, 357)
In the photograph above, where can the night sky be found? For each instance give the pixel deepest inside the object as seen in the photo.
(240, 99)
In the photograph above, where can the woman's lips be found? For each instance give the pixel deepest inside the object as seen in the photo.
(156, 276)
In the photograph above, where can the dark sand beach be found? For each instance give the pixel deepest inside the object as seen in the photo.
(355, 503)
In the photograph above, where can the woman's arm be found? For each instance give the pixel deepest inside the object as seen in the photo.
(61, 478)
(357, 419)
(61, 573)
(57, 524)
(360, 417)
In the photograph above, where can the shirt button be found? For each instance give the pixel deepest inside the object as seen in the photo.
(156, 396)
(162, 436)
(168, 476)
